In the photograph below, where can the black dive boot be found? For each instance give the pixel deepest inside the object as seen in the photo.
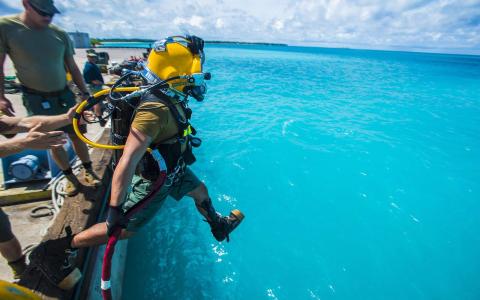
(56, 260)
(221, 226)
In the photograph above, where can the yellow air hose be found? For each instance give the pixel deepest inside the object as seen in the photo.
(80, 110)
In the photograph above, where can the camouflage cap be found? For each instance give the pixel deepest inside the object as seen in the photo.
(45, 6)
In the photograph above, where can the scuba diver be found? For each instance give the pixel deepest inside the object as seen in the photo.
(155, 118)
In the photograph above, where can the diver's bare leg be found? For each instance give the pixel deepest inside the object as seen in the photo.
(220, 226)
(94, 236)
(200, 195)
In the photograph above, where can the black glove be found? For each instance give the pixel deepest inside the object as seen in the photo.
(115, 218)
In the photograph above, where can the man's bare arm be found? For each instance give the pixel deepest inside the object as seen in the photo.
(76, 74)
(47, 123)
(135, 148)
(5, 104)
(34, 140)
(79, 81)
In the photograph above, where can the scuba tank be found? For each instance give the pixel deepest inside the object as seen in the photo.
(122, 117)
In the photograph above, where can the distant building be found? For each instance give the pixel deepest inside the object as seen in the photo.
(80, 39)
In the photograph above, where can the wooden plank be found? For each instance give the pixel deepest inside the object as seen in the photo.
(23, 193)
(78, 213)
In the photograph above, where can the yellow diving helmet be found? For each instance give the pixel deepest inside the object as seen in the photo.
(180, 57)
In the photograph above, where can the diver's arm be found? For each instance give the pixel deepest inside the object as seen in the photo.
(135, 148)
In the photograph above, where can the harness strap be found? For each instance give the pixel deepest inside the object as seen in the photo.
(183, 124)
(175, 149)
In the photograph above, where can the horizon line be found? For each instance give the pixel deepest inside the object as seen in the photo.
(311, 44)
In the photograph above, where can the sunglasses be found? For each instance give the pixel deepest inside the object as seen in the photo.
(41, 12)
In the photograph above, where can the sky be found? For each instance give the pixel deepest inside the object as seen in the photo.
(449, 26)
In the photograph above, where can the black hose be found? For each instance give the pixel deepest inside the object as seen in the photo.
(42, 211)
(116, 84)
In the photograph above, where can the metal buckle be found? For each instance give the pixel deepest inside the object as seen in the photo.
(177, 173)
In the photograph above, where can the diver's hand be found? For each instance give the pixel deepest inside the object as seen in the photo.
(6, 107)
(115, 218)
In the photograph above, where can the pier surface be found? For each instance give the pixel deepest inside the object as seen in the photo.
(78, 212)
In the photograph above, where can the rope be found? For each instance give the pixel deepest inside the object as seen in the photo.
(42, 211)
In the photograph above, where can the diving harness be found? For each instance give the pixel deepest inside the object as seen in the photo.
(172, 74)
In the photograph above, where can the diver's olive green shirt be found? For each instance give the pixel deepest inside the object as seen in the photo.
(37, 54)
(155, 120)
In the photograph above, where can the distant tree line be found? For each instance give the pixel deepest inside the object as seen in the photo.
(99, 41)
(245, 43)
(95, 42)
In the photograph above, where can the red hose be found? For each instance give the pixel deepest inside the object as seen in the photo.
(113, 239)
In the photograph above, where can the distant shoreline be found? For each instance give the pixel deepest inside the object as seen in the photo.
(144, 44)
(147, 41)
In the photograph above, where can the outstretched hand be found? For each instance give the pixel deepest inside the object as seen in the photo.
(43, 140)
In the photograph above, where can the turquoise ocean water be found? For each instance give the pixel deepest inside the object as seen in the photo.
(358, 173)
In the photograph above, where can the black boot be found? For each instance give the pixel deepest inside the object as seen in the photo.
(221, 226)
(56, 260)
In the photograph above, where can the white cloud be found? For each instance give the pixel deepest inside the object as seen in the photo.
(278, 25)
(220, 23)
(404, 24)
(193, 22)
